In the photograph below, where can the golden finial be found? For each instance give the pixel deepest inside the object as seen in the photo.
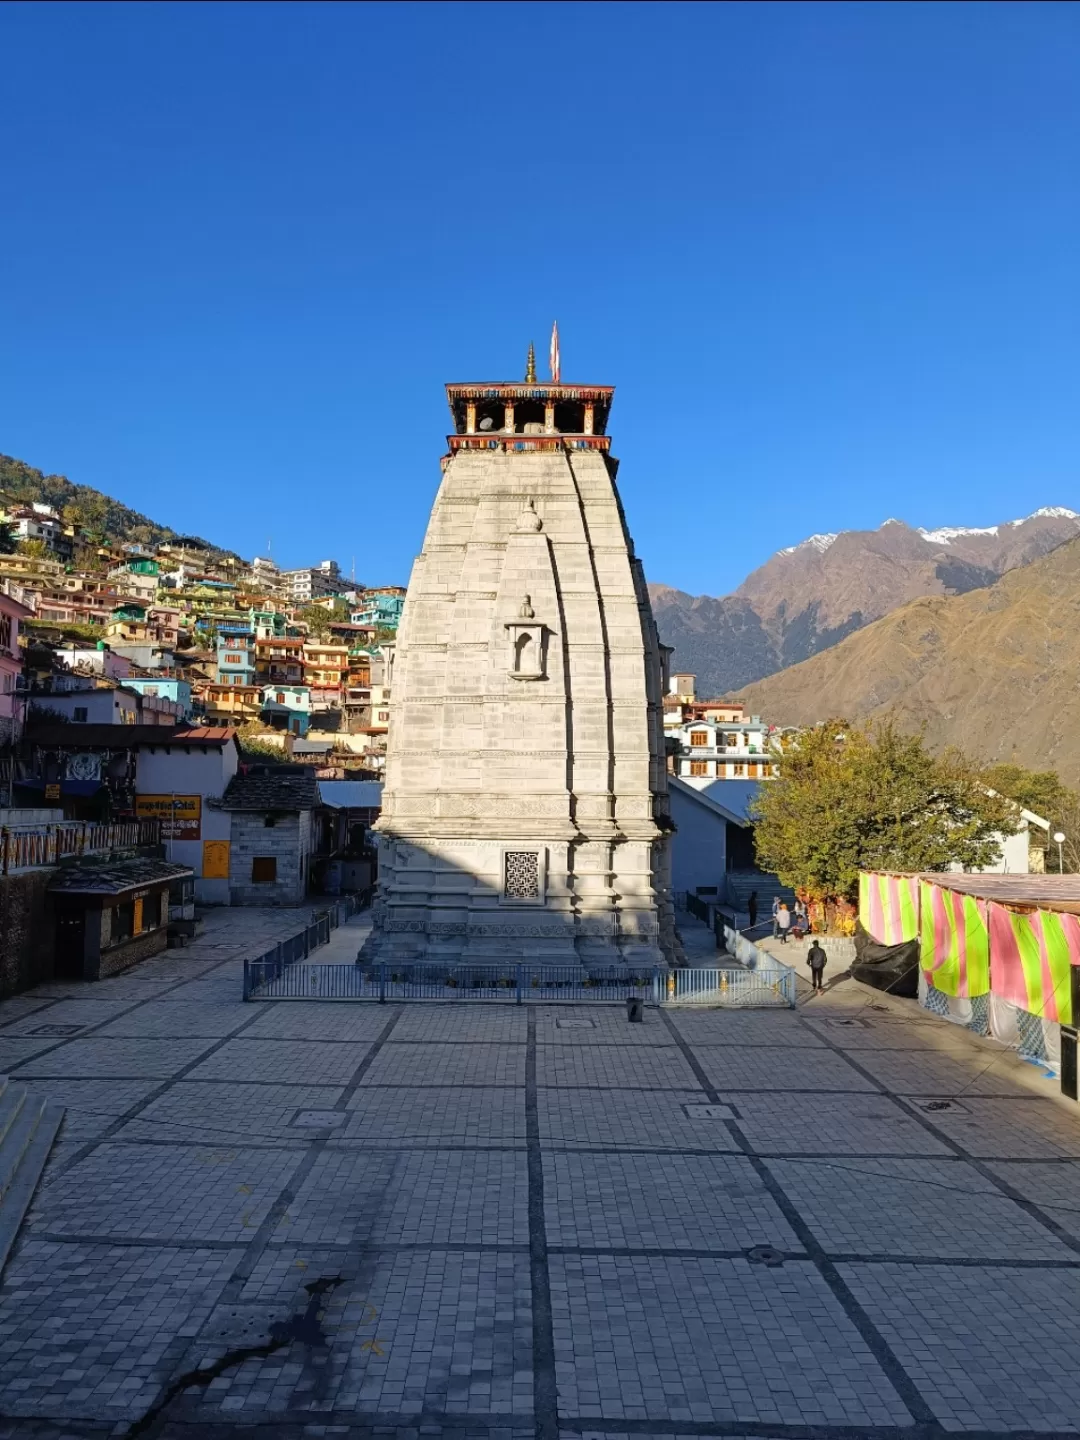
(530, 365)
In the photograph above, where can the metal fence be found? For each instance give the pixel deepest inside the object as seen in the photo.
(267, 969)
(276, 977)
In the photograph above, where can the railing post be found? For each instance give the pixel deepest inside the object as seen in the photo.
(656, 984)
(247, 981)
(520, 982)
(7, 845)
(382, 983)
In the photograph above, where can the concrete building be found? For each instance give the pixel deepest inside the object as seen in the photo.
(167, 687)
(235, 655)
(303, 586)
(272, 835)
(176, 779)
(525, 814)
(380, 608)
(286, 707)
(11, 613)
(710, 839)
(707, 750)
(41, 523)
(266, 576)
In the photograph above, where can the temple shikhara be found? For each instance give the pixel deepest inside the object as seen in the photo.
(525, 813)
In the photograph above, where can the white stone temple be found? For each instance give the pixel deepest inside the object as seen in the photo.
(525, 812)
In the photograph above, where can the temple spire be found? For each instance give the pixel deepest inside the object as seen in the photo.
(530, 365)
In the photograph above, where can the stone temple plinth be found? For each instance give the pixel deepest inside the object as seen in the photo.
(525, 811)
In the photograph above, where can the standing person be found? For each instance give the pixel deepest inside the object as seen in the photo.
(751, 905)
(815, 958)
(783, 920)
(775, 916)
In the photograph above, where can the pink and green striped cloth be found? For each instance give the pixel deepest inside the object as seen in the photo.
(889, 906)
(954, 941)
(1033, 951)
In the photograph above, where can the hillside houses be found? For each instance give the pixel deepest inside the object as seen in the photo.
(185, 634)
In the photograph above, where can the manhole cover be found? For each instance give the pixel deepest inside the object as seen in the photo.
(57, 1030)
(574, 1025)
(318, 1119)
(765, 1255)
(708, 1112)
(937, 1105)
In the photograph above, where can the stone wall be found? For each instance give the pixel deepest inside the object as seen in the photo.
(288, 840)
(27, 955)
(122, 957)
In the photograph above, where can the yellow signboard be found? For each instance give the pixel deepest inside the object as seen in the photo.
(180, 815)
(215, 860)
(52, 792)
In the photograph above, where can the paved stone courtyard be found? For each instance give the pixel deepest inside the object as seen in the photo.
(293, 1219)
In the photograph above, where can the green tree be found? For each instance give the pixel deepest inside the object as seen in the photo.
(36, 549)
(7, 540)
(850, 799)
(1039, 790)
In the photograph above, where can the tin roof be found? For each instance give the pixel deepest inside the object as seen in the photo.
(351, 794)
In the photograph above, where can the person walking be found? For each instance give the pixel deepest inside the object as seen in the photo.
(775, 916)
(783, 921)
(815, 958)
(751, 905)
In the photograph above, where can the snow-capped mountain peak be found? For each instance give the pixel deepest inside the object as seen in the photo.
(820, 543)
(950, 532)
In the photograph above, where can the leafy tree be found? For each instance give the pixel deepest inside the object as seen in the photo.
(254, 741)
(850, 799)
(1039, 790)
(318, 618)
(7, 540)
(36, 549)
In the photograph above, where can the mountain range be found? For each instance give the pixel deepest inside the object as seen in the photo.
(810, 597)
(994, 671)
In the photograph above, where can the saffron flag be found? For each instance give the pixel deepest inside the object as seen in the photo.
(955, 941)
(555, 370)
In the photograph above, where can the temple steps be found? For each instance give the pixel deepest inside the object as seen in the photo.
(28, 1126)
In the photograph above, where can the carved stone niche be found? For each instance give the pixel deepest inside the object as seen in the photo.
(528, 640)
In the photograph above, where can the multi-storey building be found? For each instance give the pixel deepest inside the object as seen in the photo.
(11, 613)
(266, 576)
(380, 608)
(732, 746)
(41, 523)
(279, 660)
(326, 665)
(235, 654)
(303, 586)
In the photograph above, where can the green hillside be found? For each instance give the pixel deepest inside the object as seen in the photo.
(104, 519)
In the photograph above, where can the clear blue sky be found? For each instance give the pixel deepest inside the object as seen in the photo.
(827, 254)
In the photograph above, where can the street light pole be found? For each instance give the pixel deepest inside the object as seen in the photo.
(1059, 840)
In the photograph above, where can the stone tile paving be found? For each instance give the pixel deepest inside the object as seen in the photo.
(298, 1219)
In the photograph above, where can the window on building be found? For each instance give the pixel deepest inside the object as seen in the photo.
(740, 770)
(384, 714)
(699, 737)
(80, 714)
(264, 869)
(151, 912)
(5, 632)
(123, 925)
(698, 767)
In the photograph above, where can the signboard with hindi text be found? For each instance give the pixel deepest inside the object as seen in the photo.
(180, 815)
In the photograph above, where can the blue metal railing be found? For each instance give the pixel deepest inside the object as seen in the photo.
(274, 977)
(267, 968)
